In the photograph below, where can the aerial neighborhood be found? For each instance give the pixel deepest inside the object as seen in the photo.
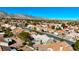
(27, 33)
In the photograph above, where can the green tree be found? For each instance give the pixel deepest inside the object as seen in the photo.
(53, 27)
(8, 32)
(25, 37)
(62, 39)
(26, 24)
(34, 28)
(76, 45)
(63, 25)
(41, 42)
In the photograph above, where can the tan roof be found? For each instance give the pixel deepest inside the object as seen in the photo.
(18, 42)
(57, 46)
(41, 47)
(2, 40)
(18, 30)
(4, 48)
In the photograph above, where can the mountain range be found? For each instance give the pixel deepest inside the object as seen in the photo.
(19, 16)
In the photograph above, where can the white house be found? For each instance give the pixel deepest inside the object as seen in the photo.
(8, 40)
(56, 33)
(12, 27)
(3, 44)
(38, 38)
(6, 25)
(30, 26)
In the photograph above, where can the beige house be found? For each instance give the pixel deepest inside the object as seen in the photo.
(17, 30)
(58, 46)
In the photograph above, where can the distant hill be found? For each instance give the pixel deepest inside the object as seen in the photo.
(18, 16)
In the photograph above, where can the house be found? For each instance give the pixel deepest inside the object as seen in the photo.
(3, 43)
(5, 48)
(61, 31)
(38, 38)
(38, 29)
(55, 33)
(18, 42)
(2, 34)
(58, 26)
(5, 25)
(30, 26)
(17, 30)
(51, 41)
(12, 27)
(50, 30)
(60, 46)
(40, 47)
(57, 46)
(8, 40)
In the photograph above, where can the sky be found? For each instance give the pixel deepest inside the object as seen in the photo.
(45, 12)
